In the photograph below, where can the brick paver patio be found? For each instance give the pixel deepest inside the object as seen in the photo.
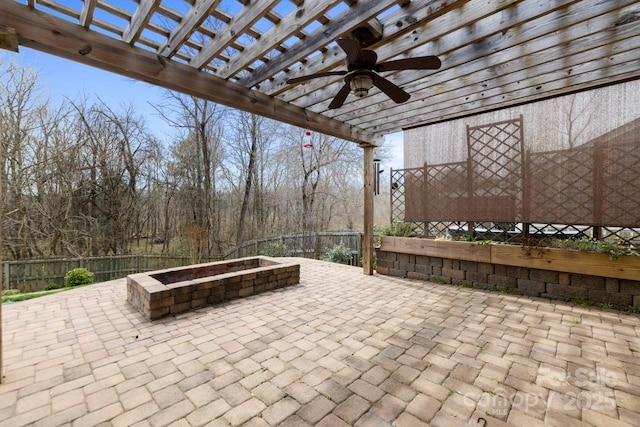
(338, 349)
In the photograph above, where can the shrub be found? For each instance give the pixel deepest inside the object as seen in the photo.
(398, 229)
(339, 253)
(53, 286)
(78, 277)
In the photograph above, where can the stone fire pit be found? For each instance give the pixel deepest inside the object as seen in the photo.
(163, 292)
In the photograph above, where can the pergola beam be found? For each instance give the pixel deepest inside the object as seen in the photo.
(8, 39)
(56, 36)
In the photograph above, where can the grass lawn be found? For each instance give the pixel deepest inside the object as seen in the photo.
(10, 295)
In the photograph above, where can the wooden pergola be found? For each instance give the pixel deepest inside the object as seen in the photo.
(494, 53)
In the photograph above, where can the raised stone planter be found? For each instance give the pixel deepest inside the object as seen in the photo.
(163, 292)
(545, 272)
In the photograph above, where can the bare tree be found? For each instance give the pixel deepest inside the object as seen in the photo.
(85, 178)
(250, 164)
(247, 133)
(116, 146)
(200, 123)
(318, 164)
(577, 117)
(19, 106)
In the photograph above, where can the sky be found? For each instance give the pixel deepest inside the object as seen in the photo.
(65, 78)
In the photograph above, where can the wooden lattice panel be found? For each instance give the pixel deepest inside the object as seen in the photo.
(620, 185)
(560, 187)
(593, 185)
(399, 196)
(495, 171)
(445, 190)
(414, 201)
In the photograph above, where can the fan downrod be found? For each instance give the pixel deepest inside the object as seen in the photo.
(364, 36)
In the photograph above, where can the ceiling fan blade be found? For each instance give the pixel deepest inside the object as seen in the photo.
(341, 96)
(353, 50)
(418, 63)
(394, 92)
(314, 76)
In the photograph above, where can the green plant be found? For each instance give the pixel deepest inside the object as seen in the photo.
(474, 239)
(339, 253)
(633, 309)
(78, 277)
(606, 305)
(398, 229)
(17, 297)
(583, 302)
(614, 249)
(275, 249)
(374, 260)
(8, 292)
(509, 291)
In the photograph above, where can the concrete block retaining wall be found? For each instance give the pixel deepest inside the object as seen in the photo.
(528, 281)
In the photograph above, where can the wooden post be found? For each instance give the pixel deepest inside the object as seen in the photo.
(367, 242)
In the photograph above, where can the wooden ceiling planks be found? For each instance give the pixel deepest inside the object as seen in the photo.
(495, 53)
(550, 61)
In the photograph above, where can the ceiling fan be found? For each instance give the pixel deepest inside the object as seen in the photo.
(362, 72)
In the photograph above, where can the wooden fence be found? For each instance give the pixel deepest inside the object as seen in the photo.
(307, 245)
(35, 274)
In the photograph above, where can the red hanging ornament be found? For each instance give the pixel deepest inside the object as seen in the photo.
(307, 139)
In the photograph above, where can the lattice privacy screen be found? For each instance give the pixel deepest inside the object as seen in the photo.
(596, 183)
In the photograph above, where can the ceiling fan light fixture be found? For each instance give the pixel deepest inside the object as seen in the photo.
(360, 84)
